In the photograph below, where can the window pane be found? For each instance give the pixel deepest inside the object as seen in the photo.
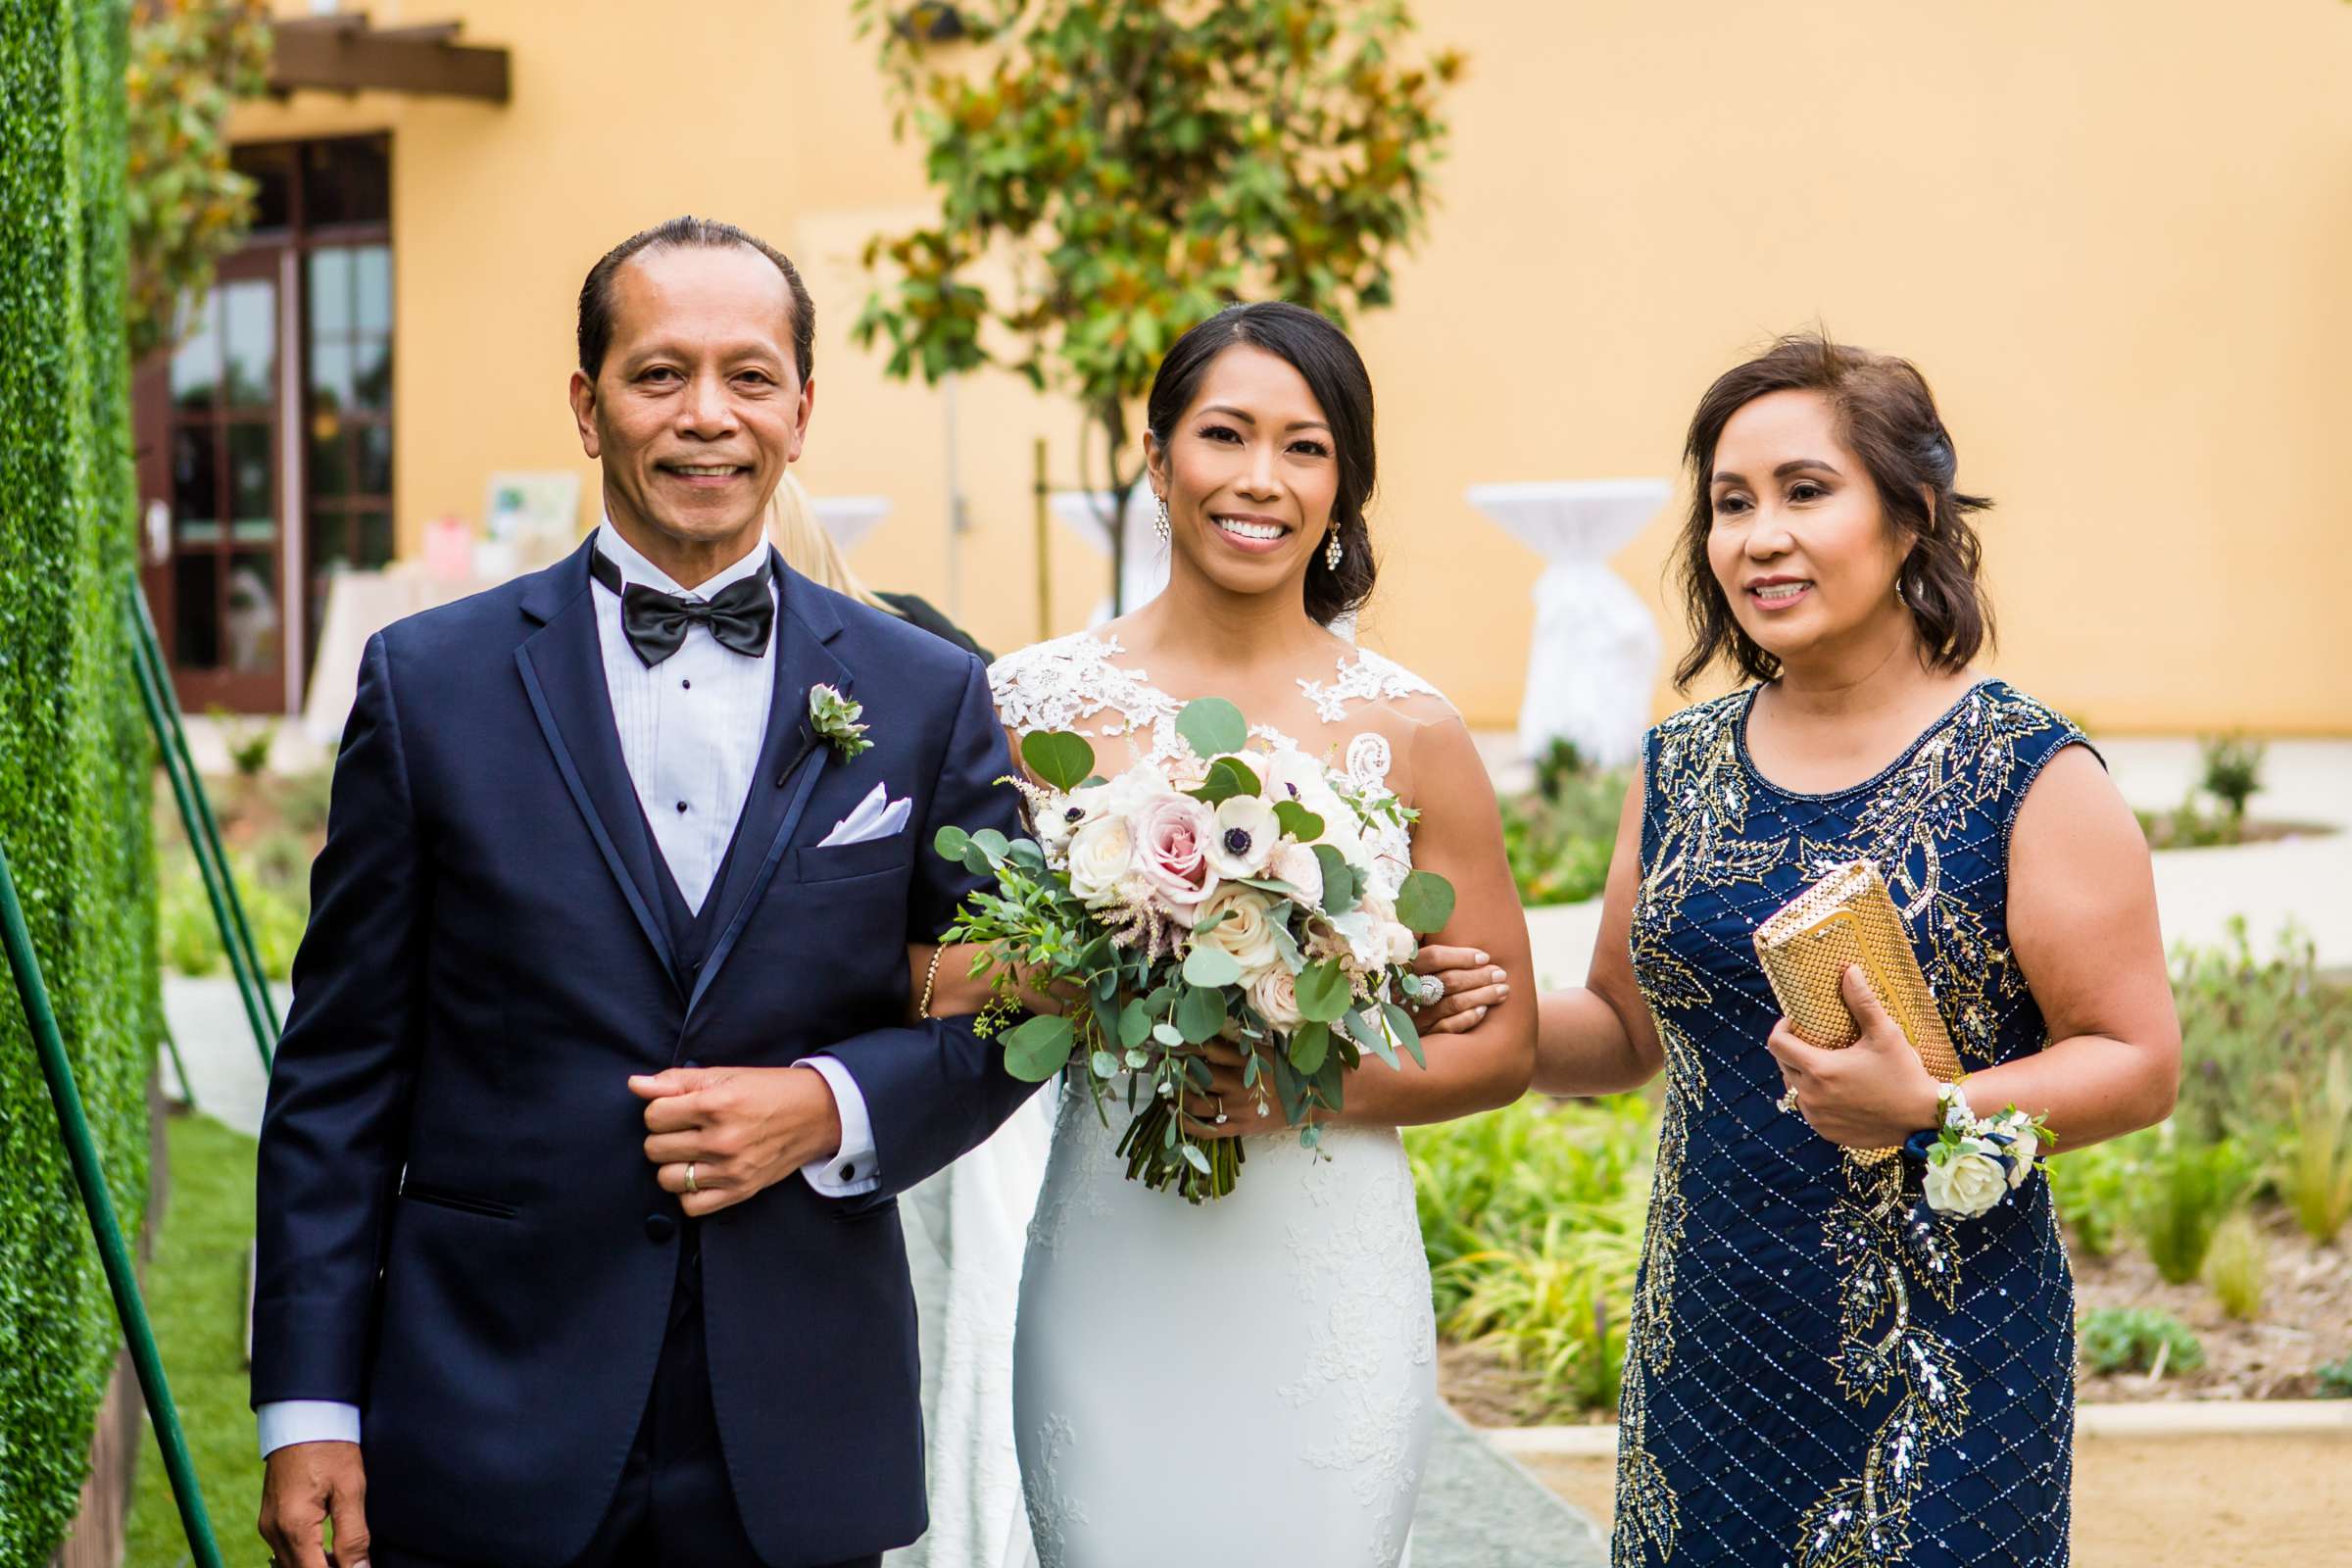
(251, 495)
(249, 323)
(330, 457)
(347, 181)
(196, 363)
(195, 483)
(251, 624)
(271, 169)
(375, 443)
(376, 539)
(196, 611)
(330, 377)
(371, 287)
(371, 374)
(331, 292)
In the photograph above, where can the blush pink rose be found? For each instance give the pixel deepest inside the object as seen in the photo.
(1171, 849)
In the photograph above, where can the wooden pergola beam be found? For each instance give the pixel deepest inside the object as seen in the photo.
(344, 52)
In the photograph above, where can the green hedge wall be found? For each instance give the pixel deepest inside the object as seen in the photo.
(75, 761)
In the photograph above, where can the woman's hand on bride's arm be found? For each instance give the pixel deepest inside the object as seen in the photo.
(1474, 983)
(1599, 1038)
(1476, 1065)
(1230, 1108)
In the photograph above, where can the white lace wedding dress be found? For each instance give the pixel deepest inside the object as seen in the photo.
(1252, 1381)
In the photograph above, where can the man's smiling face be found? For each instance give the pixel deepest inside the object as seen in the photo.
(700, 404)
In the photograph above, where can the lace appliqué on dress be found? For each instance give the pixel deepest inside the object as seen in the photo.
(1367, 679)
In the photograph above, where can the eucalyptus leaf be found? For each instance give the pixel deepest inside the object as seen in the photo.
(1401, 1024)
(1211, 726)
(1298, 821)
(1058, 757)
(1339, 891)
(1168, 1035)
(1134, 1024)
(1323, 994)
(1310, 1042)
(1038, 1049)
(1193, 1157)
(950, 842)
(1106, 1064)
(1425, 902)
(1200, 1014)
(994, 843)
(1209, 965)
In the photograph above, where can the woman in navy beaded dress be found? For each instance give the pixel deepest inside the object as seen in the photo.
(1821, 1370)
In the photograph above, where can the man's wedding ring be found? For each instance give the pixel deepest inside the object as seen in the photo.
(1787, 1100)
(694, 1186)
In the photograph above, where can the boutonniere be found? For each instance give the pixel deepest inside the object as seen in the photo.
(836, 719)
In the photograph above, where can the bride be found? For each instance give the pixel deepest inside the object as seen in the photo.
(1253, 1379)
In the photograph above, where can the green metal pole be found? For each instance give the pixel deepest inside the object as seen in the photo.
(149, 647)
(83, 1150)
(187, 1090)
(217, 884)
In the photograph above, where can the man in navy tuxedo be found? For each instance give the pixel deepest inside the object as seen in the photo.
(578, 1230)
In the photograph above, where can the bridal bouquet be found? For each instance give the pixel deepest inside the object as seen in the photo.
(1229, 896)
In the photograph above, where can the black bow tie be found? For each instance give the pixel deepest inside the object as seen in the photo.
(738, 616)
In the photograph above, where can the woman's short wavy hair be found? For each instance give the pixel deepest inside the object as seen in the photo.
(1887, 414)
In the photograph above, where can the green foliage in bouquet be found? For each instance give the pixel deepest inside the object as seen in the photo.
(1138, 1012)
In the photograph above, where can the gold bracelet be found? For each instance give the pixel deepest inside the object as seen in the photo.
(929, 980)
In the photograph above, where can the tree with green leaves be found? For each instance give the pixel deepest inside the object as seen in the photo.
(190, 62)
(1135, 167)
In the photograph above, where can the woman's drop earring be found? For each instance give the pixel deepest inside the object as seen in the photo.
(1330, 550)
(1160, 522)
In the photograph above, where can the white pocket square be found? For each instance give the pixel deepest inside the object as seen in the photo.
(877, 816)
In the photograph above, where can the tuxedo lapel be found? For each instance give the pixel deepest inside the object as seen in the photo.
(562, 669)
(791, 759)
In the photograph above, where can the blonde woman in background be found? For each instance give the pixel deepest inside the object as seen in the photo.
(965, 1293)
(807, 548)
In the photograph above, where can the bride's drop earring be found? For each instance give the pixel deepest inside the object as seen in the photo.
(1330, 550)
(1159, 522)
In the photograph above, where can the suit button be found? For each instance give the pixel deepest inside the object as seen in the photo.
(660, 1227)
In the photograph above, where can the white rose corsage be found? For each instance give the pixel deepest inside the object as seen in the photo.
(1974, 1162)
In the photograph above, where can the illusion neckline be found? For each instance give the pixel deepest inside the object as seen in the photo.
(1902, 759)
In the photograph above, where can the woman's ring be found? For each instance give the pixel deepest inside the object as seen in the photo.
(1787, 1100)
(694, 1186)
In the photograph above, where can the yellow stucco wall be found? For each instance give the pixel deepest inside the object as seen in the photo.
(2116, 235)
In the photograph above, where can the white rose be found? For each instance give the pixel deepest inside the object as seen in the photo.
(1297, 865)
(1275, 994)
(1403, 946)
(1366, 937)
(1247, 932)
(1102, 854)
(2024, 1145)
(1288, 775)
(1245, 838)
(1968, 1182)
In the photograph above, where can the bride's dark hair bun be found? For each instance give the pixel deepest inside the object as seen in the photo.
(1335, 374)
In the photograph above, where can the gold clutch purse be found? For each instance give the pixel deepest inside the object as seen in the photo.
(1845, 918)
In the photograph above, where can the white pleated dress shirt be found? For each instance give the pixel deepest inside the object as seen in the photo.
(691, 731)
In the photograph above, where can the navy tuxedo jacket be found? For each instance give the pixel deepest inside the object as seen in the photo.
(458, 1228)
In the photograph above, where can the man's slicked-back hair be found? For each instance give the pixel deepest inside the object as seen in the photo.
(596, 294)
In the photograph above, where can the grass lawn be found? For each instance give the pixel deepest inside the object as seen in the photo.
(196, 1296)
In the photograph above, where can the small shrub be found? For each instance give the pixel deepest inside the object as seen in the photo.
(2137, 1339)
(1561, 762)
(2233, 772)
(302, 801)
(2253, 1032)
(2336, 1378)
(1560, 836)
(2092, 1189)
(2238, 1266)
(2315, 1174)
(2180, 1191)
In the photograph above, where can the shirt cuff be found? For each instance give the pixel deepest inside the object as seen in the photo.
(286, 1422)
(853, 1171)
